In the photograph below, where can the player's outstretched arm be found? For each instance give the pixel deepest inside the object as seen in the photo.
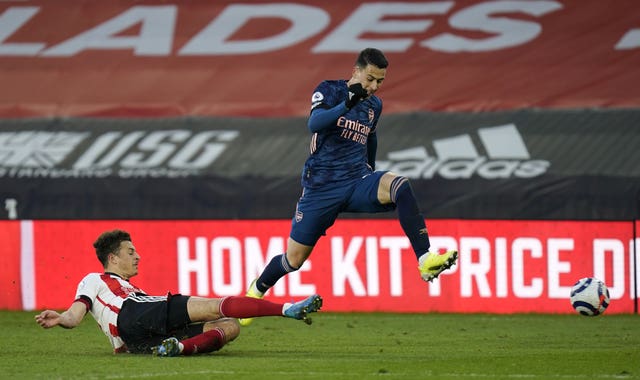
(68, 319)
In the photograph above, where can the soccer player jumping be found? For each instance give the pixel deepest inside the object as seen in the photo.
(339, 175)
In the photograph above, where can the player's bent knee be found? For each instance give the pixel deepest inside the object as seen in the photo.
(388, 187)
(232, 329)
(230, 326)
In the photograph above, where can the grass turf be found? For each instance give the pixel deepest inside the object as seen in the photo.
(349, 346)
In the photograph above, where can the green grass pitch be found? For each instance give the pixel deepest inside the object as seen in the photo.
(348, 346)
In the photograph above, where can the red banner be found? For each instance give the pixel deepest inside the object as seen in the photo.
(10, 281)
(154, 58)
(361, 265)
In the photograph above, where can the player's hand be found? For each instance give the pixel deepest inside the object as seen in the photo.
(48, 319)
(356, 93)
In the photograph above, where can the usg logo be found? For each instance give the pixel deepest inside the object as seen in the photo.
(504, 156)
(126, 154)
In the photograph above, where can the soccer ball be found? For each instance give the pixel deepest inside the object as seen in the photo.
(589, 296)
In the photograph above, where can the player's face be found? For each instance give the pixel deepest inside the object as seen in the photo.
(370, 77)
(125, 261)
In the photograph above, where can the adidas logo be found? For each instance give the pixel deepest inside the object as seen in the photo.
(504, 156)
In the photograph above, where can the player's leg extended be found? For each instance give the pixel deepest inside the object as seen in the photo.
(200, 309)
(397, 189)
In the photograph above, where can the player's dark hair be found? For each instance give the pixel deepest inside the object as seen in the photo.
(372, 56)
(109, 242)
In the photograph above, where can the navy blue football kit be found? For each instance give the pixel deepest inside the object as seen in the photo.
(338, 176)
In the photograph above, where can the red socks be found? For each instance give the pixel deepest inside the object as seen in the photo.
(209, 341)
(246, 307)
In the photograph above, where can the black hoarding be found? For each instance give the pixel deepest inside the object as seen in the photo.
(529, 164)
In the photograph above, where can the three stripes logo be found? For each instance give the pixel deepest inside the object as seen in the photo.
(504, 155)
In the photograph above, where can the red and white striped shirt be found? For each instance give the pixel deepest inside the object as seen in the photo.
(104, 294)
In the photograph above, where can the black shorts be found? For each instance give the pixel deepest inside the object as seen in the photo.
(145, 321)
